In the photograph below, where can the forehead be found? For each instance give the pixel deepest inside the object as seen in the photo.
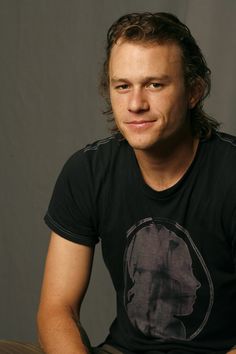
(151, 58)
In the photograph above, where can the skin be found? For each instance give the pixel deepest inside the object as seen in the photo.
(66, 278)
(164, 143)
(151, 106)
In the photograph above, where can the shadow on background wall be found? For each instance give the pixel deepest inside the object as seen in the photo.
(50, 58)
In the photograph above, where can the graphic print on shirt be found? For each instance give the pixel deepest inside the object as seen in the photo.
(162, 287)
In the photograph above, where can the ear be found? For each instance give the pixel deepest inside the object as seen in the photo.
(196, 91)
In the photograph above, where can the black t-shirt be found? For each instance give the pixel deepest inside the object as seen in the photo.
(171, 254)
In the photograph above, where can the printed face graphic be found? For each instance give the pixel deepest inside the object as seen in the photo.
(164, 286)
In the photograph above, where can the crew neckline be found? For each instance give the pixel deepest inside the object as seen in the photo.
(166, 193)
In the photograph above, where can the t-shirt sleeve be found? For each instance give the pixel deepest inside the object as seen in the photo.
(71, 212)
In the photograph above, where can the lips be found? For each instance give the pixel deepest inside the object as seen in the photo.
(140, 123)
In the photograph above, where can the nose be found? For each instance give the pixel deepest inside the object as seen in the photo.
(198, 284)
(195, 283)
(138, 101)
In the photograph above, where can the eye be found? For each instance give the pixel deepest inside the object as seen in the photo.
(122, 87)
(155, 85)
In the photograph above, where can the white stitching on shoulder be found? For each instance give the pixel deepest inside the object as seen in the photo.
(227, 140)
(96, 145)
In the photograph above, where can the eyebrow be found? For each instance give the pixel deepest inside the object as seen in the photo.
(144, 79)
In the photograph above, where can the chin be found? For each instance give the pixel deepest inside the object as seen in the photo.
(139, 141)
(139, 145)
(142, 144)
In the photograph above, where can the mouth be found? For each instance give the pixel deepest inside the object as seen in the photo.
(139, 124)
(188, 297)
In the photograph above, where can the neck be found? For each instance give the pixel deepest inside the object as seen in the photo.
(165, 164)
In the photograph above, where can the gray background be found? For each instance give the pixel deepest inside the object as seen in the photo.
(51, 53)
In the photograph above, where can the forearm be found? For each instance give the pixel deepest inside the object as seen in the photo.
(232, 351)
(59, 333)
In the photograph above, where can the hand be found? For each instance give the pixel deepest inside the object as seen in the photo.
(233, 351)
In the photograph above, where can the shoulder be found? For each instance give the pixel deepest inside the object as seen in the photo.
(226, 140)
(104, 149)
(104, 145)
(220, 158)
(222, 146)
(96, 157)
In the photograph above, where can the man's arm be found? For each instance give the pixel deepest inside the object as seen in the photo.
(67, 273)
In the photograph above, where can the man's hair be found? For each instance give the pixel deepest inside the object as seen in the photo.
(161, 28)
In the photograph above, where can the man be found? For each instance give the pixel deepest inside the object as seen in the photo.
(160, 194)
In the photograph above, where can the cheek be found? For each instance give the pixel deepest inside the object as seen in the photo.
(176, 107)
(118, 104)
(116, 101)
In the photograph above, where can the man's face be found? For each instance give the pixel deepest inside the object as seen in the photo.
(148, 95)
